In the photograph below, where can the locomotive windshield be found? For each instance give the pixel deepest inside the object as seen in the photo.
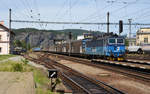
(112, 41)
(120, 41)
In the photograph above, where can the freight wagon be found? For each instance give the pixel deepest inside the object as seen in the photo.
(110, 47)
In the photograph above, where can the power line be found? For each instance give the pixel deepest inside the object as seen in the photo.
(93, 15)
(142, 15)
(119, 9)
(83, 23)
(70, 7)
(60, 10)
(135, 12)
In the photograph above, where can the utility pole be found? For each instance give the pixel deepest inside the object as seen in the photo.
(129, 27)
(129, 31)
(70, 37)
(10, 48)
(10, 19)
(108, 23)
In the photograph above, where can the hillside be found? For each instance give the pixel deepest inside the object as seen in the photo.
(44, 38)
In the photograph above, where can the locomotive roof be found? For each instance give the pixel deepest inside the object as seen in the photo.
(110, 36)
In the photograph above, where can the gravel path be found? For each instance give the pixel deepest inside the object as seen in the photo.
(121, 82)
(16, 83)
(17, 58)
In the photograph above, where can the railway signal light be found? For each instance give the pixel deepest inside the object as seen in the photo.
(70, 35)
(120, 26)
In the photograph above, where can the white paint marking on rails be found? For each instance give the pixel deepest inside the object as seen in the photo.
(111, 62)
(148, 62)
(124, 64)
(142, 67)
(132, 65)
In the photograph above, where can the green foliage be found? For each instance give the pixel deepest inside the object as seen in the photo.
(25, 61)
(13, 66)
(3, 57)
(42, 91)
(28, 46)
(58, 81)
(17, 67)
(17, 43)
(40, 77)
(75, 32)
(126, 42)
(23, 44)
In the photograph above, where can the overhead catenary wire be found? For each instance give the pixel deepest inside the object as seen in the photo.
(135, 13)
(127, 4)
(68, 9)
(113, 12)
(84, 23)
(26, 14)
(30, 11)
(94, 15)
(61, 9)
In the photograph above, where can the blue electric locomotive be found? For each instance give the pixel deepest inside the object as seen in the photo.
(112, 47)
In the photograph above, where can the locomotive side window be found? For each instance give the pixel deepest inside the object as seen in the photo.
(112, 41)
(120, 41)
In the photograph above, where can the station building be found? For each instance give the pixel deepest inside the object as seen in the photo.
(143, 36)
(6, 40)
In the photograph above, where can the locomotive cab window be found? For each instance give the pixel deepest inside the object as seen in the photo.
(120, 41)
(112, 41)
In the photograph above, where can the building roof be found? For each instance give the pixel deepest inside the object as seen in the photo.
(4, 27)
(145, 28)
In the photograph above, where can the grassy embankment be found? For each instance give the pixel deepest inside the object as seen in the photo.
(3, 57)
(40, 77)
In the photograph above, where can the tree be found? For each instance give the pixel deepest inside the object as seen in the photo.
(23, 44)
(126, 42)
(17, 43)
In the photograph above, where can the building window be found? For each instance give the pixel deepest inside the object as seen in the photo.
(145, 40)
(0, 49)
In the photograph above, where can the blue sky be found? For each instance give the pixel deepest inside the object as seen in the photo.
(76, 11)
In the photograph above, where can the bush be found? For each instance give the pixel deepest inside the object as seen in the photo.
(25, 61)
(17, 67)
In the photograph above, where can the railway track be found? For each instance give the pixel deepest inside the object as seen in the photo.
(132, 65)
(134, 73)
(138, 61)
(79, 83)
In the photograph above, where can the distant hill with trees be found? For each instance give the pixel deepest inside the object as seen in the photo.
(44, 38)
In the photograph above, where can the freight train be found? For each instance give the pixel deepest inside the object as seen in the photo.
(106, 46)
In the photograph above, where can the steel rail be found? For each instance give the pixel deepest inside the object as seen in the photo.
(87, 90)
(122, 70)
